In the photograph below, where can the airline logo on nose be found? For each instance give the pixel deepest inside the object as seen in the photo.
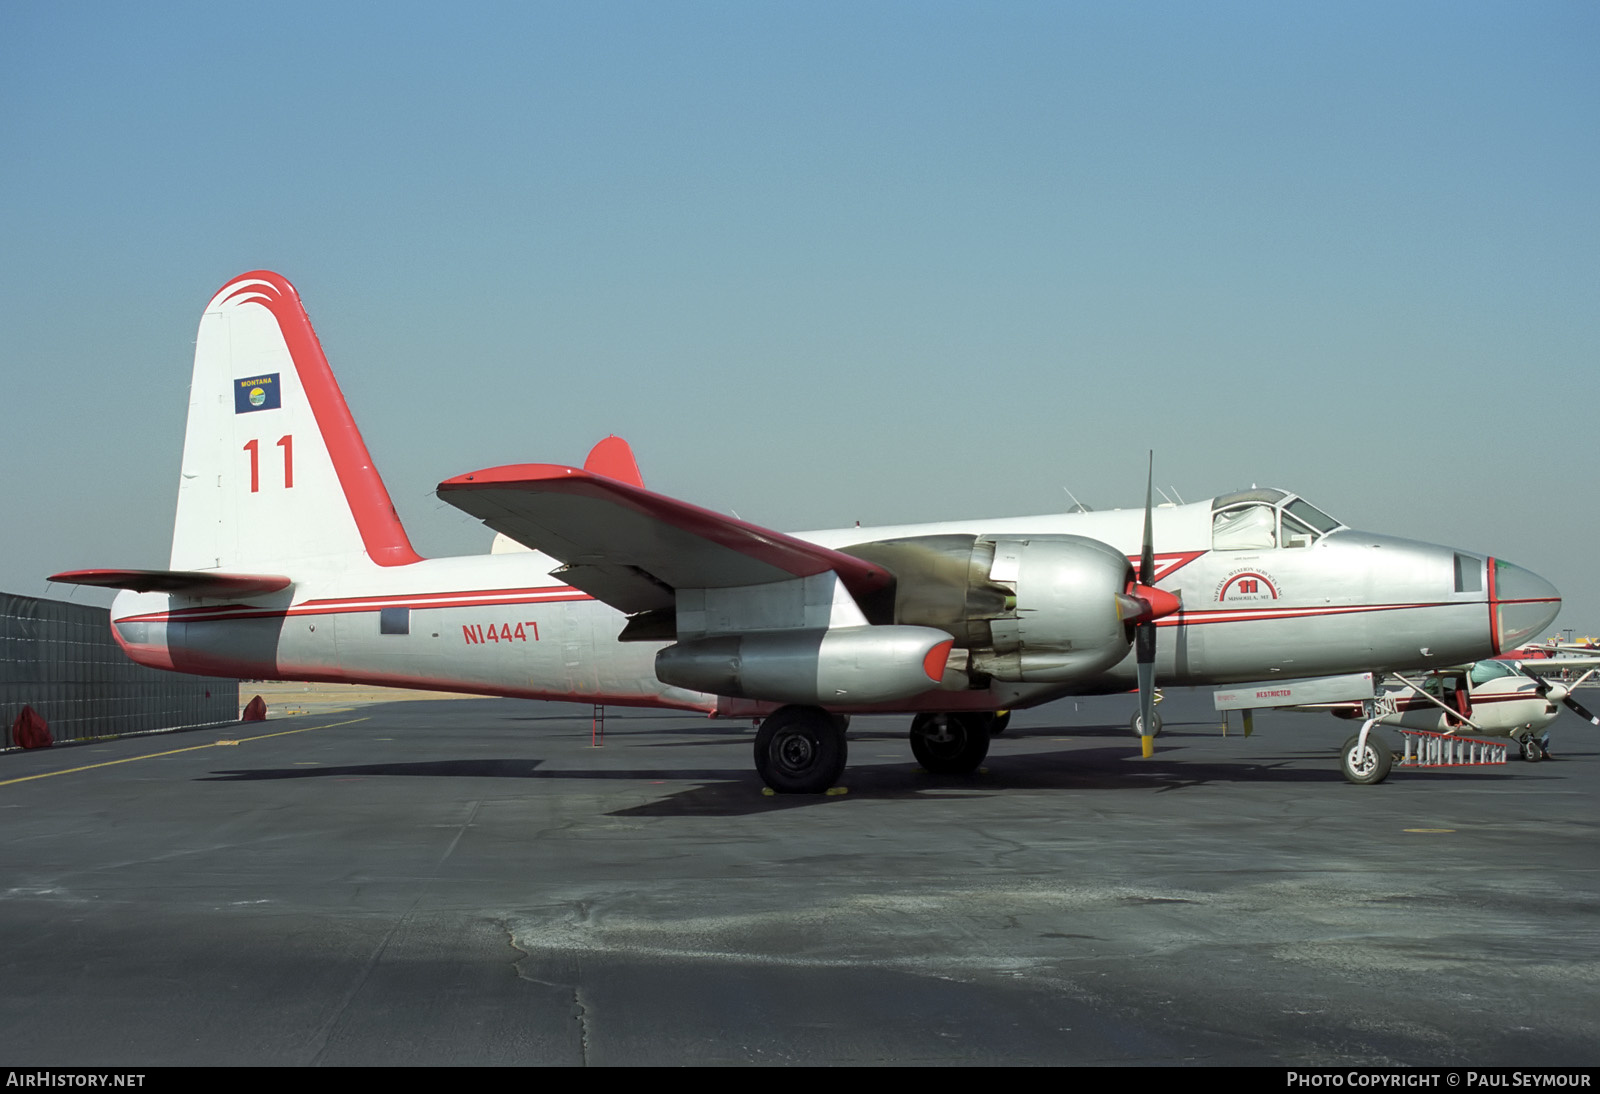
(1247, 585)
(256, 393)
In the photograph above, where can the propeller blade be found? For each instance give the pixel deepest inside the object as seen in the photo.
(1145, 653)
(1580, 711)
(1144, 635)
(1147, 553)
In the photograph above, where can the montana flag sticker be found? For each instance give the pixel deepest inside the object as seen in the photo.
(256, 393)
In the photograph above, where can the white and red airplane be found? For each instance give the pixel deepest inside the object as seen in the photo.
(289, 562)
(1497, 697)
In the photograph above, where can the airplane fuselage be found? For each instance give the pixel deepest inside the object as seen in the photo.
(502, 625)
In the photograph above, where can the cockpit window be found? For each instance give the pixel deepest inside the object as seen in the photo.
(1310, 514)
(1244, 527)
(1263, 518)
(1484, 671)
(1296, 534)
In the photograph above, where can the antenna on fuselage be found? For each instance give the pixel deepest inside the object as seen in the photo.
(1077, 506)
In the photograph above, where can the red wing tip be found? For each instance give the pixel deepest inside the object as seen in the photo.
(613, 458)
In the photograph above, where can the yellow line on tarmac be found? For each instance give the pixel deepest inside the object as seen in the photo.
(175, 751)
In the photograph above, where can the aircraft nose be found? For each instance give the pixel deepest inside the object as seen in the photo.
(1521, 604)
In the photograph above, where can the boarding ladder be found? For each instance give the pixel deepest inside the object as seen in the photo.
(1427, 749)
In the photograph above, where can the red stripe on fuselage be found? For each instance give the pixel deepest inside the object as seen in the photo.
(1252, 615)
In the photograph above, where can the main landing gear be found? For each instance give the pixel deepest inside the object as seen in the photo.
(1365, 758)
(951, 744)
(802, 750)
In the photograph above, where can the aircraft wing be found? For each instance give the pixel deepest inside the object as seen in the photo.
(1543, 665)
(633, 548)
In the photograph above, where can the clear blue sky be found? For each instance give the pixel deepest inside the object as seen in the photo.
(826, 262)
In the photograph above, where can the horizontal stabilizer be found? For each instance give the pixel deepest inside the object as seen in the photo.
(177, 582)
(638, 546)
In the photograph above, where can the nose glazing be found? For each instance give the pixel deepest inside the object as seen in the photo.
(1521, 604)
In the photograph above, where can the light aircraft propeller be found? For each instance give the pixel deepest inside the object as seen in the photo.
(1546, 687)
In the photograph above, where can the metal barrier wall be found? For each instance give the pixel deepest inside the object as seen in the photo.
(61, 660)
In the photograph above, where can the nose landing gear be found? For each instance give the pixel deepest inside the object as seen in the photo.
(1535, 749)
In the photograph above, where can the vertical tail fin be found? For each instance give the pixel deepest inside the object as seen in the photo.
(275, 472)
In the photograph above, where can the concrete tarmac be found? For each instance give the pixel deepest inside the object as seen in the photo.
(471, 882)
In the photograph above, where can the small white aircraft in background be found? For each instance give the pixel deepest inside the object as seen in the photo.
(289, 563)
(1498, 697)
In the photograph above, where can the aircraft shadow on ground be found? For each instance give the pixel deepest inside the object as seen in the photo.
(737, 791)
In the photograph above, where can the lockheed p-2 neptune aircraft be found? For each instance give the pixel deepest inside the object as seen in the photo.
(289, 562)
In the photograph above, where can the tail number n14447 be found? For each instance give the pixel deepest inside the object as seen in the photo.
(478, 633)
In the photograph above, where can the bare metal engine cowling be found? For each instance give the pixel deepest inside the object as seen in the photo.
(838, 665)
(1045, 608)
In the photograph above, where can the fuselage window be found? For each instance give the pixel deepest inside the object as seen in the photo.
(1244, 528)
(1469, 574)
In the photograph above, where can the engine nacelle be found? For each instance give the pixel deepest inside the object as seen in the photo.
(1046, 608)
(1069, 621)
(817, 667)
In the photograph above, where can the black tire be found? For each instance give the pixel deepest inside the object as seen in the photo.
(1002, 718)
(1371, 766)
(950, 744)
(1532, 750)
(800, 750)
(1155, 719)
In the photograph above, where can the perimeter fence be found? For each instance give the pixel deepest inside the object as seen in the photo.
(61, 660)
